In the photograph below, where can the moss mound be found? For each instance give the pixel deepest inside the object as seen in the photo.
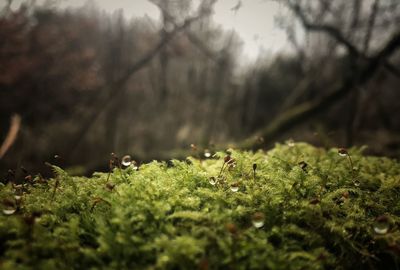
(294, 207)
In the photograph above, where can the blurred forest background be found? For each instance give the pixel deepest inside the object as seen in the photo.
(78, 84)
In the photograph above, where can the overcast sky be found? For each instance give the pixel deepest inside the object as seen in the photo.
(254, 21)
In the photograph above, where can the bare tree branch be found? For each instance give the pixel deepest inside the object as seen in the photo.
(150, 55)
(201, 46)
(391, 46)
(192, 37)
(325, 28)
(357, 7)
(116, 88)
(392, 69)
(303, 111)
(371, 24)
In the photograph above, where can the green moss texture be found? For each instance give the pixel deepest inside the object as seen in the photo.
(293, 207)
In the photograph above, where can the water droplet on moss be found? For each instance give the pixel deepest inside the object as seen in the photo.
(258, 220)
(9, 211)
(126, 160)
(207, 153)
(212, 181)
(381, 225)
(381, 228)
(235, 187)
(134, 165)
(290, 143)
(342, 152)
(356, 183)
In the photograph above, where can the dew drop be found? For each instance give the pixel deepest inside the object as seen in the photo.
(290, 143)
(134, 165)
(207, 153)
(381, 225)
(258, 220)
(18, 199)
(342, 152)
(381, 228)
(356, 183)
(235, 187)
(9, 211)
(126, 160)
(212, 181)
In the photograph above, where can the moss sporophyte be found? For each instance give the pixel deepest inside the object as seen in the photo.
(293, 207)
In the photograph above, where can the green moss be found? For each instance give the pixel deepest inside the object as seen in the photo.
(319, 214)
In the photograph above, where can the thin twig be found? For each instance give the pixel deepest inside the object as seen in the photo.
(11, 135)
